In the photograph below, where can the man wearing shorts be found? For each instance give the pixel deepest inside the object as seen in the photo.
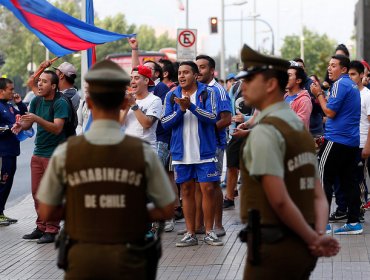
(190, 111)
(206, 67)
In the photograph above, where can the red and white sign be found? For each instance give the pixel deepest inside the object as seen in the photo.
(186, 44)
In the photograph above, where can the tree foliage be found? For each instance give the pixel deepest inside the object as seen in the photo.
(317, 50)
(18, 46)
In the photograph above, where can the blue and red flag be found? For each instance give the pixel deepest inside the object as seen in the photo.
(61, 33)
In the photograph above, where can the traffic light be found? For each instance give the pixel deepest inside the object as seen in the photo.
(214, 24)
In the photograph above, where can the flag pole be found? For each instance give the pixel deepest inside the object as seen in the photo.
(38, 73)
(84, 66)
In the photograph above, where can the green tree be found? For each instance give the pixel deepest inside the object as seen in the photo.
(145, 35)
(149, 42)
(317, 50)
(18, 47)
(117, 24)
(164, 41)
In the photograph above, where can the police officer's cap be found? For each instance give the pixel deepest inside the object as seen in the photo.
(106, 76)
(255, 62)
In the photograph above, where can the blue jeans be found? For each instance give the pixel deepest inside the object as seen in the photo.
(163, 153)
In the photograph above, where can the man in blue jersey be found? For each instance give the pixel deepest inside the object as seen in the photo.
(206, 66)
(342, 140)
(190, 111)
(9, 144)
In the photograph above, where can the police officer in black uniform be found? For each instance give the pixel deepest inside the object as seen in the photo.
(104, 180)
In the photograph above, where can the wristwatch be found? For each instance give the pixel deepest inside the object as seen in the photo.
(134, 107)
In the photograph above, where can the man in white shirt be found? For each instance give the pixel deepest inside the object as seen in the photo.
(191, 112)
(145, 108)
(356, 73)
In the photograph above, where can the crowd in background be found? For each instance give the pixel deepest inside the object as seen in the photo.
(193, 121)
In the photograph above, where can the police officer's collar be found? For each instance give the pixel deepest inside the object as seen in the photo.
(268, 110)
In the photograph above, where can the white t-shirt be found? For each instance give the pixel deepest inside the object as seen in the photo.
(365, 111)
(150, 106)
(190, 136)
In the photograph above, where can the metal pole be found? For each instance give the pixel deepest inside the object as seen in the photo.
(187, 14)
(32, 56)
(278, 25)
(241, 28)
(254, 25)
(265, 22)
(222, 56)
(84, 67)
(47, 53)
(302, 36)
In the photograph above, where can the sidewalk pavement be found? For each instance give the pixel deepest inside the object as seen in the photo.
(20, 259)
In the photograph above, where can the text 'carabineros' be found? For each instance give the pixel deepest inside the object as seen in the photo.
(116, 175)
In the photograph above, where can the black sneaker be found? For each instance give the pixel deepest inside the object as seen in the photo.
(10, 220)
(36, 234)
(228, 204)
(338, 216)
(4, 221)
(178, 213)
(47, 237)
(362, 218)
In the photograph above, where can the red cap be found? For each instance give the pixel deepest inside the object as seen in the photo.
(146, 72)
(365, 64)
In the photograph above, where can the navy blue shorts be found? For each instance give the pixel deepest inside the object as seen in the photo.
(201, 172)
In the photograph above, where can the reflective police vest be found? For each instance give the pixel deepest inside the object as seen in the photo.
(299, 176)
(106, 191)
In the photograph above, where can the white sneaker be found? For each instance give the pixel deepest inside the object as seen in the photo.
(212, 239)
(169, 225)
(187, 240)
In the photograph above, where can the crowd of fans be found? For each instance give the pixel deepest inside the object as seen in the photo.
(192, 122)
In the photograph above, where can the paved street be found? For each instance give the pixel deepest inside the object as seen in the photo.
(22, 180)
(20, 259)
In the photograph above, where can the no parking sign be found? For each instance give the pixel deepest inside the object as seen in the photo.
(186, 44)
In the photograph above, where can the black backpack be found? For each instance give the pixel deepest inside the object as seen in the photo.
(71, 123)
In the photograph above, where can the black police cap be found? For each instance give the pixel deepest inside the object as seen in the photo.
(255, 62)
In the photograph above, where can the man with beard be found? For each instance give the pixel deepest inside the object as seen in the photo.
(206, 66)
(49, 135)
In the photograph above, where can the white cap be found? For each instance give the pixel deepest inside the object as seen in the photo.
(67, 69)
